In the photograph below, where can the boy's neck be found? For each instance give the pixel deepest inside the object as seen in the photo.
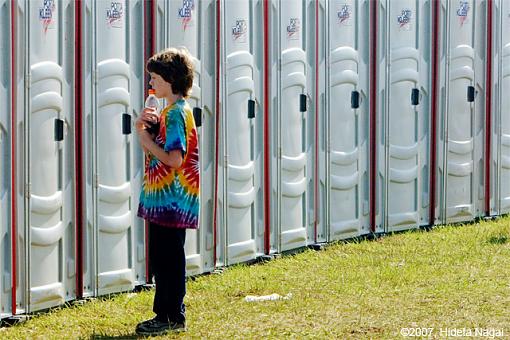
(172, 98)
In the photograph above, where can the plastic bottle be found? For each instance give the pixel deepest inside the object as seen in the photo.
(152, 102)
(271, 297)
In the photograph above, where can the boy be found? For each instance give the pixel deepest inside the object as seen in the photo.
(169, 200)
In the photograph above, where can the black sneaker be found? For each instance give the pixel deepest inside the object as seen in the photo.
(177, 326)
(152, 327)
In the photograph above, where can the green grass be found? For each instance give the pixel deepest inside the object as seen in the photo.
(450, 277)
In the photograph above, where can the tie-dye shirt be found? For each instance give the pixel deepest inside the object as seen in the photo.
(170, 197)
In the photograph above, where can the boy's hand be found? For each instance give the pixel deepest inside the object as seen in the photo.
(147, 117)
(150, 115)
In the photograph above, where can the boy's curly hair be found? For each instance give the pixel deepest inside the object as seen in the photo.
(176, 67)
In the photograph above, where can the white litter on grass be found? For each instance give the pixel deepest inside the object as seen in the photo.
(271, 297)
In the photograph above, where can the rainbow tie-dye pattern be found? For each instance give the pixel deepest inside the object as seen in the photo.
(171, 197)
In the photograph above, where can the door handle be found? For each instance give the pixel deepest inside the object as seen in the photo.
(197, 115)
(471, 93)
(415, 97)
(126, 124)
(59, 130)
(355, 99)
(302, 102)
(251, 108)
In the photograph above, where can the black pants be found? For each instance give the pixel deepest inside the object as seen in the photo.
(168, 264)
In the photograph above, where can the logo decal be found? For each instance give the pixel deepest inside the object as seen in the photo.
(239, 31)
(46, 14)
(344, 14)
(294, 28)
(186, 13)
(462, 12)
(404, 20)
(114, 15)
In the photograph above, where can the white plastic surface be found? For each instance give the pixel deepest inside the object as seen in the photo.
(191, 24)
(114, 202)
(407, 133)
(504, 107)
(50, 193)
(346, 134)
(465, 123)
(294, 195)
(241, 150)
(5, 161)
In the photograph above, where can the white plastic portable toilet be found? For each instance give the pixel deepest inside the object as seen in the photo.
(292, 34)
(114, 69)
(6, 92)
(46, 238)
(240, 221)
(191, 24)
(404, 97)
(501, 107)
(461, 179)
(343, 132)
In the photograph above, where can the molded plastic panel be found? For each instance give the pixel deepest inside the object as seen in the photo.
(49, 187)
(189, 24)
(346, 133)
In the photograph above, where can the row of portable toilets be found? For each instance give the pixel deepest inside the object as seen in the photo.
(318, 121)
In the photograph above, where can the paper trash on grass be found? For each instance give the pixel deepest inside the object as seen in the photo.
(271, 297)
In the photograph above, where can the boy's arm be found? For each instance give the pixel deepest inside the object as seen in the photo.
(172, 158)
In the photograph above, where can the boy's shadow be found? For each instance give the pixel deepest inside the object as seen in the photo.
(107, 337)
(131, 336)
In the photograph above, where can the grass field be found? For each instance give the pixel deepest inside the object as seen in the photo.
(449, 279)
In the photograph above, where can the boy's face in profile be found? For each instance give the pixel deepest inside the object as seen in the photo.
(162, 88)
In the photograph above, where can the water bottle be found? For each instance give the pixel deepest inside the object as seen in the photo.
(152, 102)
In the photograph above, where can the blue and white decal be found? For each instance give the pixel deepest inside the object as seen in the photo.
(115, 14)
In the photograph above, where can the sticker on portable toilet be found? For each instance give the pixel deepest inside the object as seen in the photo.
(46, 14)
(462, 12)
(344, 15)
(115, 15)
(404, 20)
(294, 29)
(239, 31)
(185, 13)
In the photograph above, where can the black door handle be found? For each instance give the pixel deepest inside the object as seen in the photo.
(251, 108)
(197, 115)
(415, 96)
(59, 130)
(471, 94)
(126, 124)
(355, 99)
(302, 102)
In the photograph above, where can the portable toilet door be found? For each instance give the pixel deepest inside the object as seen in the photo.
(463, 103)
(241, 229)
(190, 24)
(293, 124)
(46, 245)
(115, 235)
(502, 107)
(406, 112)
(6, 160)
(344, 127)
